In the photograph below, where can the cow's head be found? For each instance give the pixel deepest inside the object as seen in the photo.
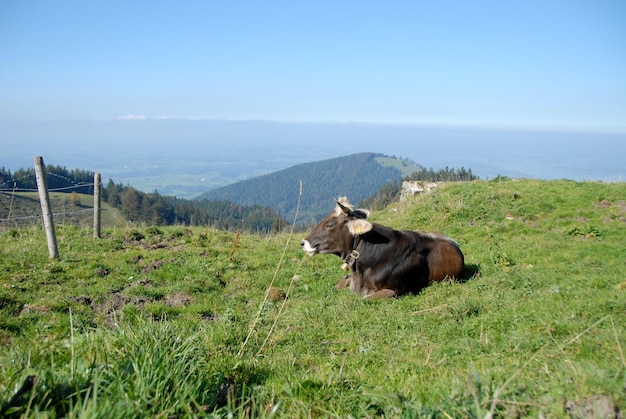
(335, 233)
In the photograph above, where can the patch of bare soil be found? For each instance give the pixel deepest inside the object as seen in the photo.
(139, 240)
(276, 294)
(619, 205)
(155, 264)
(622, 210)
(111, 308)
(178, 299)
(144, 282)
(598, 406)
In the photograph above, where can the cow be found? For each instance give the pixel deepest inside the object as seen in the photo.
(383, 262)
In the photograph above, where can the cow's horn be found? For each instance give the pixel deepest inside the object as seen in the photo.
(345, 209)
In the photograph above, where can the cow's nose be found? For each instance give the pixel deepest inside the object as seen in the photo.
(302, 243)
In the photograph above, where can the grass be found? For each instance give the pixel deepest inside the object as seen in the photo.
(19, 208)
(405, 168)
(178, 322)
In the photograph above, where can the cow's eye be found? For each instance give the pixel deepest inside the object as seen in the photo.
(330, 224)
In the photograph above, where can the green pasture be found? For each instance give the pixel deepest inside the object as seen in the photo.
(193, 322)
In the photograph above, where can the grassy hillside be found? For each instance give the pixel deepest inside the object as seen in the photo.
(360, 175)
(21, 208)
(188, 322)
(403, 166)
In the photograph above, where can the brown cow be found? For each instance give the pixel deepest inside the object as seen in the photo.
(384, 262)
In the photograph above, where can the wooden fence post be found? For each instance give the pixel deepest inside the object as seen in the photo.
(96, 205)
(46, 212)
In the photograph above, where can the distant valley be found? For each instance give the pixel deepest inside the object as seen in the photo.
(189, 158)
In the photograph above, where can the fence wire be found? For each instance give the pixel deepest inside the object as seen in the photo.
(8, 220)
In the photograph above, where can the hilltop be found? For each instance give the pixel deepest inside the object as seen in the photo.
(358, 175)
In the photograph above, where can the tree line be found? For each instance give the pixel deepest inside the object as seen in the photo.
(58, 177)
(149, 208)
(447, 174)
(233, 207)
(156, 209)
(391, 192)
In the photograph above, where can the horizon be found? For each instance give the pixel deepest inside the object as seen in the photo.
(445, 83)
(177, 157)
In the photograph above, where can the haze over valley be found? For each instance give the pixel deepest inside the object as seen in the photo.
(185, 158)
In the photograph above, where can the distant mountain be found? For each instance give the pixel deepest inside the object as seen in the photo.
(357, 176)
(185, 158)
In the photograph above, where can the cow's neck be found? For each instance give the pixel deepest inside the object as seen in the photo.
(350, 258)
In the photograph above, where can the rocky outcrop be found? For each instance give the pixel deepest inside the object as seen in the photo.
(416, 187)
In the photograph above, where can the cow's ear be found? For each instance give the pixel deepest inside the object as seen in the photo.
(361, 213)
(360, 226)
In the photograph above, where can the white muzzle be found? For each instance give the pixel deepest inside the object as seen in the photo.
(306, 246)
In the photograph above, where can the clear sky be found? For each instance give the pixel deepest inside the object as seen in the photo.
(527, 64)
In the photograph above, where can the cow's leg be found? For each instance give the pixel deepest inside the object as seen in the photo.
(384, 293)
(344, 282)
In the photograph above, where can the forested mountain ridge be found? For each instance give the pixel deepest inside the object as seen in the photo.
(357, 176)
(266, 203)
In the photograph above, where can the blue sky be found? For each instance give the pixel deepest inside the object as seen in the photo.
(522, 64)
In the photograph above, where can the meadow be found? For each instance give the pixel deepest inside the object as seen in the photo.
(197, 322)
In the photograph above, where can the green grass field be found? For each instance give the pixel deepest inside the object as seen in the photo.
(23, 209)
(177, 322)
